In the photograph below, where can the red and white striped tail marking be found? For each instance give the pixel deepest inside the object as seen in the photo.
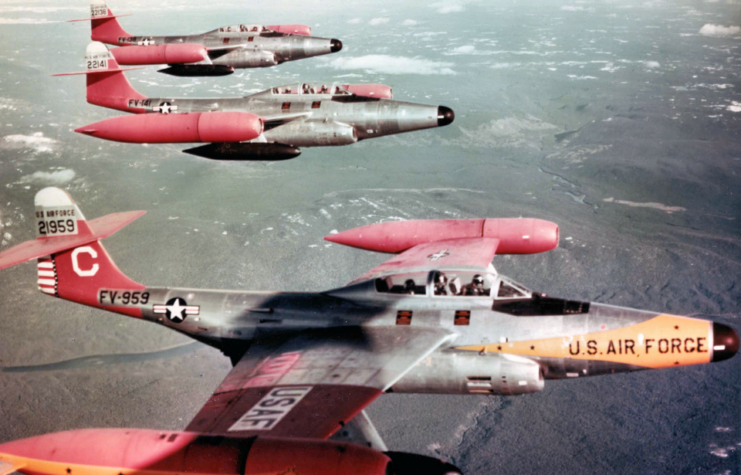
(48, 281)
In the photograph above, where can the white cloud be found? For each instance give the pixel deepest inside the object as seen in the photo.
(719, 30)
(354, 21)
(58, 177)
(381, 63)
(25, 21)
(571, 8)
(409, 22)
(452, 6)
(379, 21)
(659, 206)
(466, 49)
(36, 141)
(652, 64)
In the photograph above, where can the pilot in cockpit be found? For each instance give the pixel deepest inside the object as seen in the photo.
(441, 284)
(476, 287)
(307, 89)
(410, 287)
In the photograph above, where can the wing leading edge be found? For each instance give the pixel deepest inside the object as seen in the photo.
(311, 384)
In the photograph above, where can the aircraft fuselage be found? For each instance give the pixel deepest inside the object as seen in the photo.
(495, 351)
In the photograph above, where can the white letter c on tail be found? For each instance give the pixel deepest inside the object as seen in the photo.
(76, 266)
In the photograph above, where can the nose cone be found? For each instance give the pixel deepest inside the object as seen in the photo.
(336, 45)
(445, 116)
(725, 342)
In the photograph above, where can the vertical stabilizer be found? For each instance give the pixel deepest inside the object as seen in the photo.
(104, 24)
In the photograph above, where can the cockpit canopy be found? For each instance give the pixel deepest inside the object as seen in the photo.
(257, 29)
(452, 283)
(303, 88)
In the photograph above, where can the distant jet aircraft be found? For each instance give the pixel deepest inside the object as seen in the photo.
(435, 318)
(269, 125)
(214, 53)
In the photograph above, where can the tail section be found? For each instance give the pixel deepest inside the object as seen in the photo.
(104, 24)
(72, 263)
(107, 85)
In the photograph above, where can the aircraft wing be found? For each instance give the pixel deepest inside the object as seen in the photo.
(473, 253)
(311, 384)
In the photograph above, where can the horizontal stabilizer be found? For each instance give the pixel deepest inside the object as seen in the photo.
(101, 228)
(98, 71)
(107, 17)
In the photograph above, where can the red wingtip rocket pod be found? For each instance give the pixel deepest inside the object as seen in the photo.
(177, 128)
(515, 235)
(152, 452)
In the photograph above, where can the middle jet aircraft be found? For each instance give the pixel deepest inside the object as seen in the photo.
(270, 125)
(435, 318)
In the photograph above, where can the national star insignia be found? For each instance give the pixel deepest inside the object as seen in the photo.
(438, 255)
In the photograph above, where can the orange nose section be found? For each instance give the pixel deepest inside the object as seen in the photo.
(725, 342)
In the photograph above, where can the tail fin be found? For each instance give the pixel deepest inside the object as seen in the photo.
(104, 25)
(107, 85)
(72, 263)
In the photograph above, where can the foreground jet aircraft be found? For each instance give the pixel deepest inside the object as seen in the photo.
(269, 125)
(214, 53)
(435, 318)
(267, 439)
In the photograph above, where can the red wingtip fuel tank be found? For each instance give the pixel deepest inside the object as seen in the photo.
(370, 90)
(149, 452)
(303, 30)
(177, 128)
(160, 54)
(516, 235)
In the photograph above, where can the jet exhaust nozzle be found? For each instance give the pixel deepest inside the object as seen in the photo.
(336, 45)
(725, 342)
(245, 151)
(445, 116)
(197, 70)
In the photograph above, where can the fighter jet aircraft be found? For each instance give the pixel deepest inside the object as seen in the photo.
(214, 53)
(435, 318)
(269, 125)
(268, 440)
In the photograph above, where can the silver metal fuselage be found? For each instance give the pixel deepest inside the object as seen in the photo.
(324, 120)
(254, 46)
(232, 319)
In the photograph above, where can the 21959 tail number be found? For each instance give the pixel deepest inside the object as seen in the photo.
(58, 226)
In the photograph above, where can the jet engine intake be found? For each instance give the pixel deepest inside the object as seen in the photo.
(178, 128)
(160, 54)
(312, 133)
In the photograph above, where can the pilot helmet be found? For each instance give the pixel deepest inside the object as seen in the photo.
(478, 279)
